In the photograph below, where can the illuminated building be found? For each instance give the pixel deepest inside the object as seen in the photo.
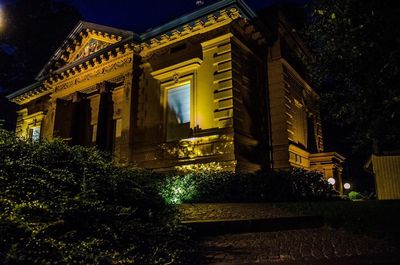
(213, 89)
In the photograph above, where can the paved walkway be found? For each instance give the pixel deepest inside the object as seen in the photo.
(312, 246)
(305, 246)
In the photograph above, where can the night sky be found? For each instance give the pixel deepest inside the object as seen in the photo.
(140, 15)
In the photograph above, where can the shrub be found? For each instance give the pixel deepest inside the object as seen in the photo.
(310, 185)
(70, 205)
(245, 187)
(356, 196)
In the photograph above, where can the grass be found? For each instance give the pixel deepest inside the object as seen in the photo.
(379, 219)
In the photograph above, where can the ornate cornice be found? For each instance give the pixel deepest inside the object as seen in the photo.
(96, 70)
(206, 19)
(102, 64)
(201, 25)
(95, 60)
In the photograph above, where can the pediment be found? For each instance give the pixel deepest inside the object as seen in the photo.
(85, 40)
(89, 45)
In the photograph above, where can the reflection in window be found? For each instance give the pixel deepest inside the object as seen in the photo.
(35, 134)
(178, 112)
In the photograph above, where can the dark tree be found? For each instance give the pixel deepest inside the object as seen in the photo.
(357, 57)
(33, 30)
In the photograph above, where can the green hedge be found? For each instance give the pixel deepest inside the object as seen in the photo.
(71, 205)
(297, 185)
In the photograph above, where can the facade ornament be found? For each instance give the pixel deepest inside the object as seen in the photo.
(175, 34)
(198, 24)
(176, 78)
(137, 48)
(222, 15)
(234, 13)
(186, 29)
(211, 19)
(164, 38)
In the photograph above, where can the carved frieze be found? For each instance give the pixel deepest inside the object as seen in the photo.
(97, 71)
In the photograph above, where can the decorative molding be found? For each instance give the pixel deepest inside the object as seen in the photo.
(68, 68)
(93, 73)
(208, 23)
(176, 70)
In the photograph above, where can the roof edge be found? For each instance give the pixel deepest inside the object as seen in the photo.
(79, 27)
(23, 90)
(196, 15)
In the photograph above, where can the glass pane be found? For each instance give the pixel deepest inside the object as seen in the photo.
(179, 103)
(178, 112)
(35, 134)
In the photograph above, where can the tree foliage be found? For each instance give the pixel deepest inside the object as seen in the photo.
(70, 205)
(357, 57)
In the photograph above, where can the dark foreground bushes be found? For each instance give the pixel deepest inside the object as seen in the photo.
(297, 185)
(70, 205)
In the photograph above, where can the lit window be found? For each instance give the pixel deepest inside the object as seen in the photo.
(35, 134)
(178, 112)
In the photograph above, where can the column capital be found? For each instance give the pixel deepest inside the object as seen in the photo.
(105, 87)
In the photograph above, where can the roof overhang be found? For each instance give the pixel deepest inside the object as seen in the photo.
(239, 4)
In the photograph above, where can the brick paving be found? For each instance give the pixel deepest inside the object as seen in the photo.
(309, 246)
(304, 246)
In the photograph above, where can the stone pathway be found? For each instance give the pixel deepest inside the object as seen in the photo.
(311, 246)
(304, 246)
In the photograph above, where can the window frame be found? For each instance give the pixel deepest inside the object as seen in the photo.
(188, 80)
(32, 129)
(173, 76)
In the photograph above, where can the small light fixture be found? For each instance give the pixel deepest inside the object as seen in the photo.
(331, 181)
(347, 186)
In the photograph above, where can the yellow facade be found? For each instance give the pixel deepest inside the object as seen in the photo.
(210, 90)
(386, 170)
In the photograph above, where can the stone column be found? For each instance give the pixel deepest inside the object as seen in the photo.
(63, 119)
(105, 123)
(127, 122)
(117, 96)
(49, 120)
(94, 101)
(80, 120)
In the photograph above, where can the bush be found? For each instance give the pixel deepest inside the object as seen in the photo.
(296, 185)
(310, 185)
(356, 196)
(70, 205)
